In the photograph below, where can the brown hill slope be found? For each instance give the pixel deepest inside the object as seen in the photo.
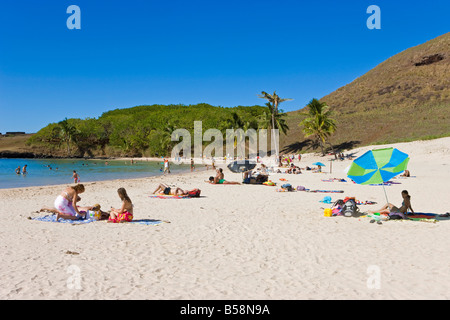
(405, 98)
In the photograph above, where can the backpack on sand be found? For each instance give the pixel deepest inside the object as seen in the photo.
(195, 193)
(350, 209)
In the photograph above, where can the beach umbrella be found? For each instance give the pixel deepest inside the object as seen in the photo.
(346, 169)
(241, 165)
(378, 166)
(318, 164)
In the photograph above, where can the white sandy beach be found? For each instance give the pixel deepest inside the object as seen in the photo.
(241, 242)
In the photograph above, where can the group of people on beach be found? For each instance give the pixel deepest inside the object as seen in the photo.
(65, 206)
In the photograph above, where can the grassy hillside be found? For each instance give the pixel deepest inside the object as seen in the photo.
(15, 143)
(405, 98)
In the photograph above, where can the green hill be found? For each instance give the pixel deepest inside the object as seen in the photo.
(138, 131)
(405, 98)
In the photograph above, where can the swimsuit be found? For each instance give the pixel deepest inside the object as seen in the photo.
(122, 217)
(167, 191)
(65, 206)
(221, 181)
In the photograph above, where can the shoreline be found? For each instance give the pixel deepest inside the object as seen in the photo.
(88, 183)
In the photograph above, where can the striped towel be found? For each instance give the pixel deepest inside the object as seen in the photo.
(163, 196)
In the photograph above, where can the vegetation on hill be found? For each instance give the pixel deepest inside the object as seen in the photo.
(142, 130)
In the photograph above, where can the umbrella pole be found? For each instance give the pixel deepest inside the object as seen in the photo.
(387, 200)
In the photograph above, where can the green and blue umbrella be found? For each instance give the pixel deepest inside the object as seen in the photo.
(378, 166)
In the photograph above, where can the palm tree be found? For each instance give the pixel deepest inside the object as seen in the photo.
(280, 122)
(273, 103)
(67, 132)
(318, 122)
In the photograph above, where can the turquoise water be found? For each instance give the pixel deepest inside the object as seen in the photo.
(40, 174)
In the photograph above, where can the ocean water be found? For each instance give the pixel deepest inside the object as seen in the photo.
(43, 172)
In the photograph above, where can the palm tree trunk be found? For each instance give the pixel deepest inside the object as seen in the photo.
(68, 148)
(273, 133)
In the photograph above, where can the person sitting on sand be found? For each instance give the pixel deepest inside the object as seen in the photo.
(264, 169)
(406, 204)
(406, 174)
(165, 189)
(81, 209)
(125, 213)
(296, 170)
(66, 203)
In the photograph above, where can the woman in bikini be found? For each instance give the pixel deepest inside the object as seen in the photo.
(163, 188)
(66, 203)
(125, 213)
(406, 204)
(220, 178)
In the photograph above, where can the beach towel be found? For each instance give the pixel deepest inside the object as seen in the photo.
(325, 191)
(52, 218)
(163, 196)
(148, 222)
(359, 203)
(333, 180)
(422, 220)
(388, 183)
(422, 216)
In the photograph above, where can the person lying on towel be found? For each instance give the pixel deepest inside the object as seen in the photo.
(165, 189)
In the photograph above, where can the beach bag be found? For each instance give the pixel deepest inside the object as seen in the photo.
(350, 208)
(195, 193)
(301, 188)
(396, 215)
(339, 203)
(287, 186)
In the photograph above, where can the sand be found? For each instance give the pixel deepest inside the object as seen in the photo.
(241, 242)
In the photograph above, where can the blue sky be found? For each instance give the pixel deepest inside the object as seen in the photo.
(225, 53)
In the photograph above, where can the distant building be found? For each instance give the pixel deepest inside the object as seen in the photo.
(15, 133)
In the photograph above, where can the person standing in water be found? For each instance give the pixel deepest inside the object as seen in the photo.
(76, 177)
(166, 166)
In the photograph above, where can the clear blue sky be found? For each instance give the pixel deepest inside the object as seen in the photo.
(221, 52)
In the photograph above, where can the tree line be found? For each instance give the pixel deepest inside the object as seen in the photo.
(147, 130)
